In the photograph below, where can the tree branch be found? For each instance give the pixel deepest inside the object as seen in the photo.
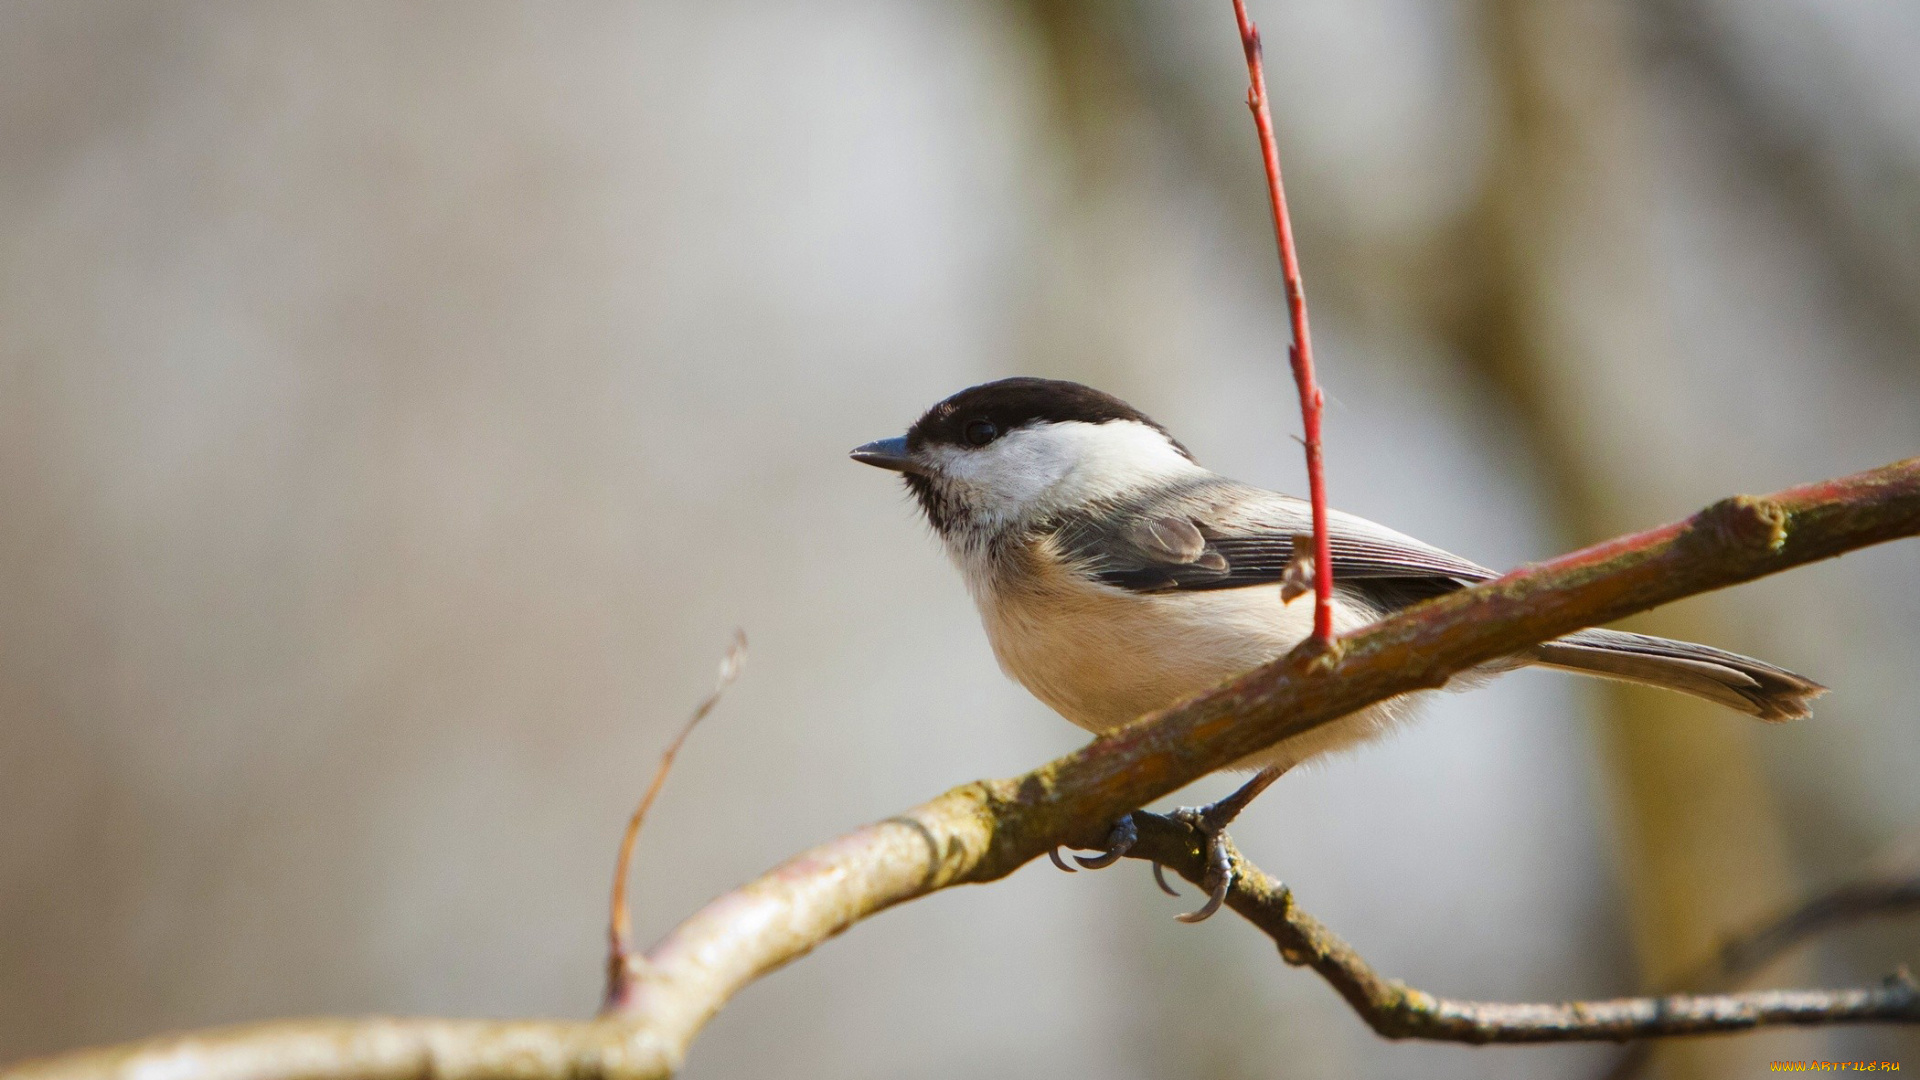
(1397, 1011)
(378, 1048)
(985, 830)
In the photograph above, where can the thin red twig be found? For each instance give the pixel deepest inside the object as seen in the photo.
(620, 954)
(1300, 353)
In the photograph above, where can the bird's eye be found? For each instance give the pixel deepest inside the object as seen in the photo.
(980, 432)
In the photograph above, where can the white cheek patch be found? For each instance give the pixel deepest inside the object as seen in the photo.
(1113, 459)
(1046, 467)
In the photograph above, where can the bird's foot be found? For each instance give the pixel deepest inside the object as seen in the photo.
(1211, 822)
(1219, 861)
(1219, 848)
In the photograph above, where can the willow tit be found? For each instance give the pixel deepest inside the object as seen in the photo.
(1116, 576)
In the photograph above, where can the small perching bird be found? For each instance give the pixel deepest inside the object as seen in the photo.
(1116, 576)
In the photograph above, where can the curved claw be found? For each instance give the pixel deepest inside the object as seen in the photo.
(1214, 900)
(1160, 879)
(1220, 875)
(1119, 842)
(1054, 854)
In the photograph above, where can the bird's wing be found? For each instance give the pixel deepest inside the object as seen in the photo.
(1223, 535)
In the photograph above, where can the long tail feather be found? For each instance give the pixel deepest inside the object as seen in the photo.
(1739, 682)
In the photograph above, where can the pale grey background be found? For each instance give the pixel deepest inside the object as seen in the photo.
(399, 406)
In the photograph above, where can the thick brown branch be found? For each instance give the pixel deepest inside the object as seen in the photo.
(987, 829)
(1398, 1011)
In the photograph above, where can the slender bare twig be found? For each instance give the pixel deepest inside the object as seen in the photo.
(1889, 887)
(985, 830)
(1398, 1011)
(621, 959)
(1849, 903)
(1300, 352)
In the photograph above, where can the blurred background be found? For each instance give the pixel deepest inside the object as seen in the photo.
(401, 404)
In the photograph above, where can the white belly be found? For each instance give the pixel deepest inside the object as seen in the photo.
(1103, 657)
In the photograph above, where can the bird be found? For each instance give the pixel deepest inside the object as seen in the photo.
(1115, 575)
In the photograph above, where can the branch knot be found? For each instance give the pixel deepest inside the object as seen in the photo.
(1315, 656)
(1746, 521)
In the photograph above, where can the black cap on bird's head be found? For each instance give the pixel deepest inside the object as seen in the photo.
(940, 449)
(980, 414)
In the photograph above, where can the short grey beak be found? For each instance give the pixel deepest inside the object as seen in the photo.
(887, 454)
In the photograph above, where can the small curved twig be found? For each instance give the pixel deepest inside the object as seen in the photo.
(620, 955)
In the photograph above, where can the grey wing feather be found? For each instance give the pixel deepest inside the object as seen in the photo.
(1150, 553)
(1171, 538)
(1223, 535)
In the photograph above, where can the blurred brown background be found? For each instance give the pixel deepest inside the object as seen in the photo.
(399, 405)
